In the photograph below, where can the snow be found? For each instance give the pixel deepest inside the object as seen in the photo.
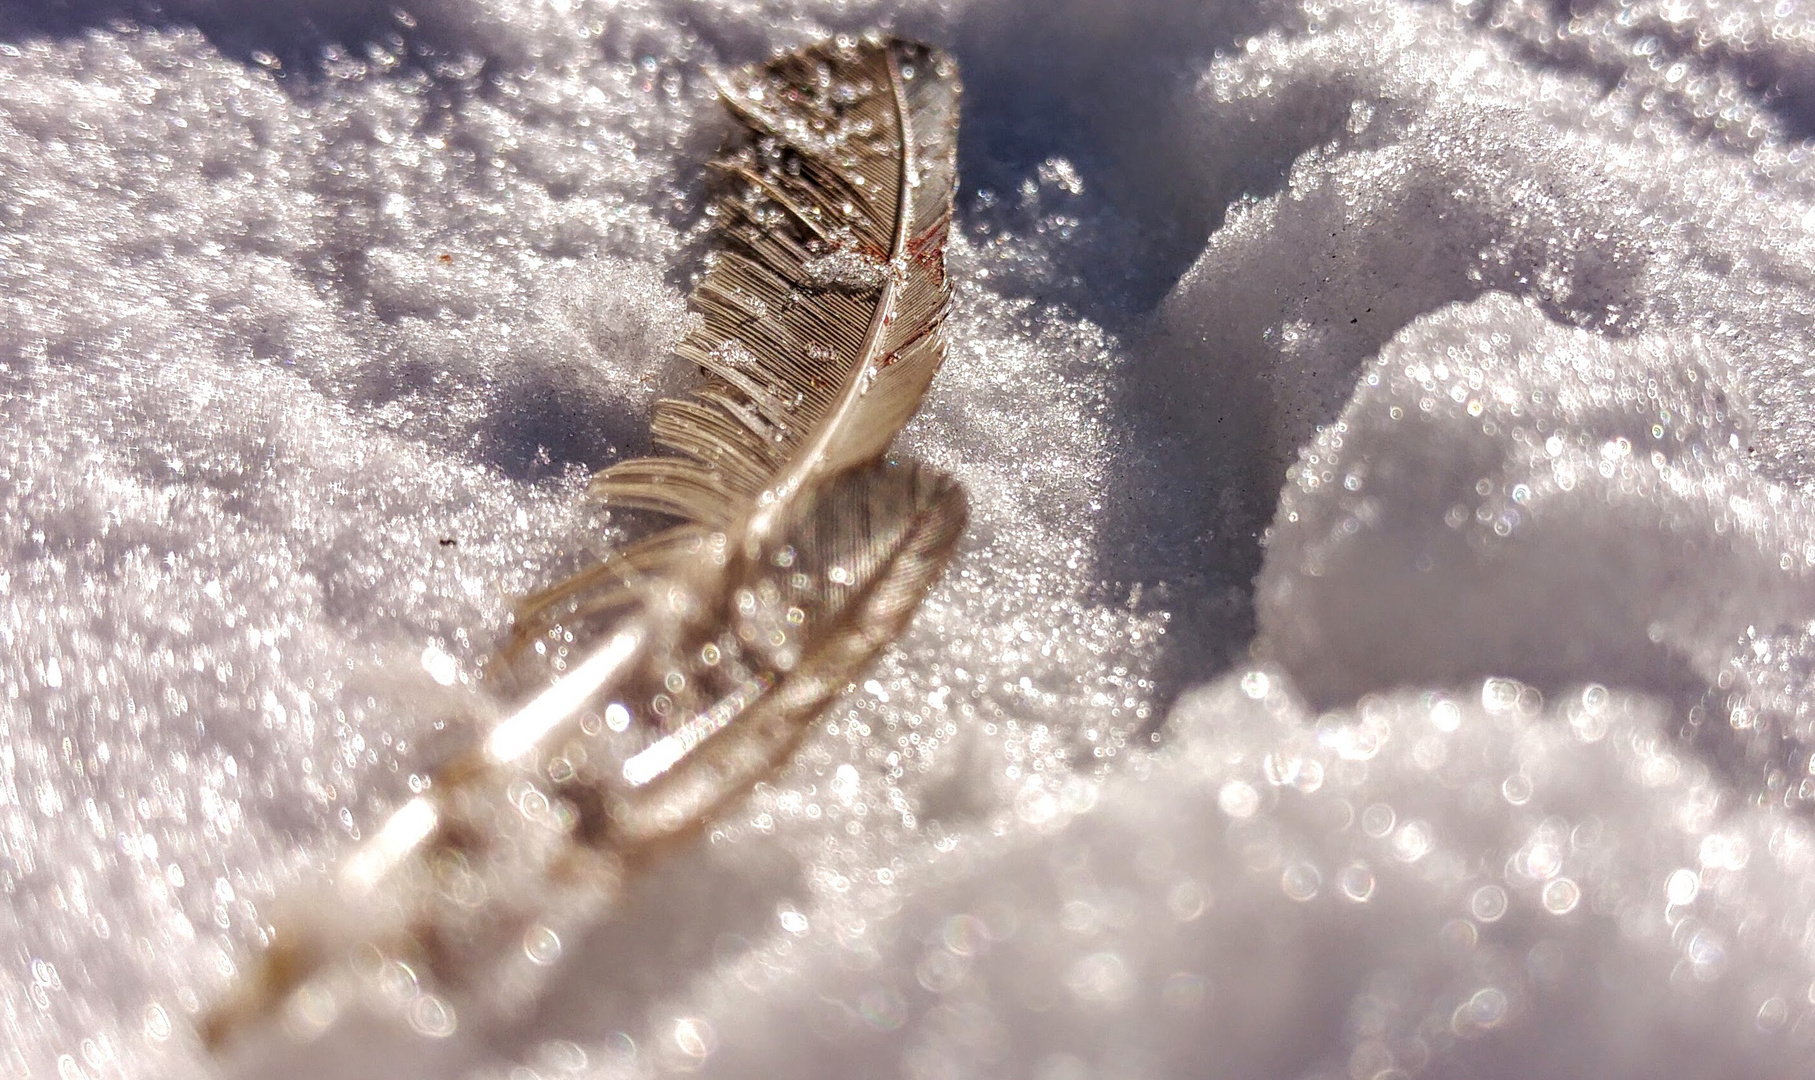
(1383, 642)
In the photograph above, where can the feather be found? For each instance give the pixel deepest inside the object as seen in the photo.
(656, 687)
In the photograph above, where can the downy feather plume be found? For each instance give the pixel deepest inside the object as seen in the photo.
(656, 687)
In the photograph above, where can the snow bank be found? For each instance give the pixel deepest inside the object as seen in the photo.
(316, 314)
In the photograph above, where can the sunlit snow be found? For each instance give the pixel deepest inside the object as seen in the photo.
(1382, 647)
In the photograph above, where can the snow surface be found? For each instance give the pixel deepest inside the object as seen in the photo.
(1482, 750)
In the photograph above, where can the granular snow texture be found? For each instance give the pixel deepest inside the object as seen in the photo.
(1383, 646)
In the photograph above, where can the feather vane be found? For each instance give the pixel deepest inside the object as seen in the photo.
(823, 319)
